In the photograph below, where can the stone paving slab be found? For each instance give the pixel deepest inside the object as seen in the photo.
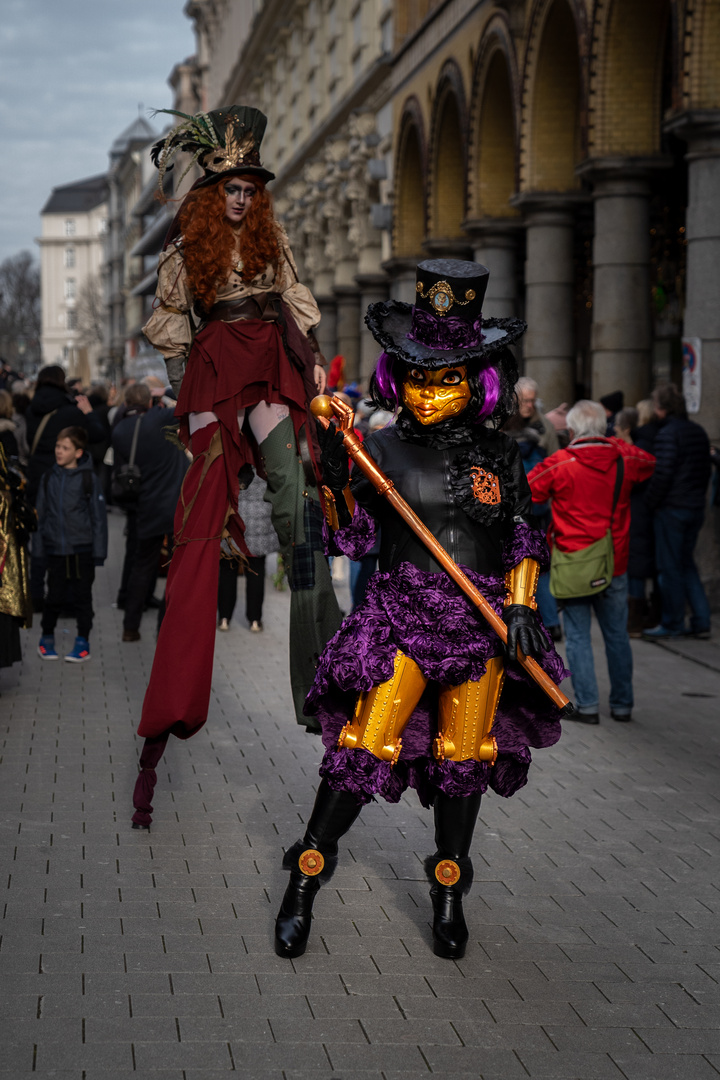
(593, 919)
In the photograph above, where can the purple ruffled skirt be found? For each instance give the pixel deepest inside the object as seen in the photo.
(429, 619)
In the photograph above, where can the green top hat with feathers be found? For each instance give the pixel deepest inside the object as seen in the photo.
(223, 141)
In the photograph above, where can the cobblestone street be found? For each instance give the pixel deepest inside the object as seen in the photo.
(593, 919)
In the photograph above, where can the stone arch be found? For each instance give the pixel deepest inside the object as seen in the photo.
(410, 183)
(493, 144)
(448, 156)
(702, 45)
(552, 143)
(626, 78)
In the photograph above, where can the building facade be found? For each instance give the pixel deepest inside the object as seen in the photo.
(571, 146)
(568, 144)
(320, 71)
(129, 174)
(74, 226)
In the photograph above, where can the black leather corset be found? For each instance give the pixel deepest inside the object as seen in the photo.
(421, 475)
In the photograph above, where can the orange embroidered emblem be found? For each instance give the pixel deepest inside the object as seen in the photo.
(485, 485)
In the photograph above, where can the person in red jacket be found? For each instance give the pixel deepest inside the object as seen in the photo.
(580, 480)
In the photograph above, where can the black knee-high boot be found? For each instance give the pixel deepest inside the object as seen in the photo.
(450, 872)
(311, 862)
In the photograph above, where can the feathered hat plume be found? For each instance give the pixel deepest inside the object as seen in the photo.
(223, 141)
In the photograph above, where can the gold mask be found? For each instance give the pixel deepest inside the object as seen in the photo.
(434, 396)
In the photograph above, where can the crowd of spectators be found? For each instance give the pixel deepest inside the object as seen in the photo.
(655, 517)
(51, 411)
(568, 454)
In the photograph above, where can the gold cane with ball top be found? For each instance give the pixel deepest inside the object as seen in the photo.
(326, 408)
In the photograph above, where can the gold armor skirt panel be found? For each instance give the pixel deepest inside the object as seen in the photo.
(382, 713)
(466, 714)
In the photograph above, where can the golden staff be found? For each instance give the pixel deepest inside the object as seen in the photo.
(325, 407)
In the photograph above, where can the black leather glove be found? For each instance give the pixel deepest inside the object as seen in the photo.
(523, 630)
(333, 458)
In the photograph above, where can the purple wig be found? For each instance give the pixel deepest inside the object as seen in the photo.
(389, 382)
(489, 379)
(390, 373)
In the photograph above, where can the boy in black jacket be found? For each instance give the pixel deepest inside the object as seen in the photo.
(72, 534)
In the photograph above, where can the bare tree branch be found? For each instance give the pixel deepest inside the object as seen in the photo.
(91, 311)
(20, 321)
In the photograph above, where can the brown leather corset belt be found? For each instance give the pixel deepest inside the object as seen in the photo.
(263, 306)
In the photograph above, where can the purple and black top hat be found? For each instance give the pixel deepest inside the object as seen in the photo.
(445, 326)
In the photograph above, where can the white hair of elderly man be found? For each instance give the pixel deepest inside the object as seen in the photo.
(586, 419)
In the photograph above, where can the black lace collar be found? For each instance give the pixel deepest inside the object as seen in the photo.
(456, 432)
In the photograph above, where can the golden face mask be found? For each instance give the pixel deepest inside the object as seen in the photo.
(434, 396)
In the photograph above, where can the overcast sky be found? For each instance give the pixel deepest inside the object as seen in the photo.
(72, 73)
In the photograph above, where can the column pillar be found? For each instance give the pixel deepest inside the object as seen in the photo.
(701, 129)
(549, 344)
(322, 289)
(326, 332)
(495, 244)
(347, 300)
(447, 249)
(373, 289)
(402, 277)
(621, 337)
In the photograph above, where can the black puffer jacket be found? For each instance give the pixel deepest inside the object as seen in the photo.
(72, 515)
(162, 467)
(682, 469)
(51, 399)
(641, 561)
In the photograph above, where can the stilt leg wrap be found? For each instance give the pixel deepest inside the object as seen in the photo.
(145, 783)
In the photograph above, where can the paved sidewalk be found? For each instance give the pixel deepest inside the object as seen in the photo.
(594, 935)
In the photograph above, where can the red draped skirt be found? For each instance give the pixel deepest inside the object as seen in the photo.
(232, 366)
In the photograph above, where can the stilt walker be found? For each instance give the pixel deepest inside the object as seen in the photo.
(419, 688)
(235, 326)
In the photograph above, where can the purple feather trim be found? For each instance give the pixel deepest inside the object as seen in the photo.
(526, 543)
(449, 332)
(363, 774)
(353, 540)
(430, 620)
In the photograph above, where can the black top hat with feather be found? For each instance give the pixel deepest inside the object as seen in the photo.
(445, 326)
(224, 141)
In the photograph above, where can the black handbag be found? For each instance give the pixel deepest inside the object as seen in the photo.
(127, 479)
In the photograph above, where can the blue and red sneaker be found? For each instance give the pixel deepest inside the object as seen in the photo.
(46, 648)
(80, 651)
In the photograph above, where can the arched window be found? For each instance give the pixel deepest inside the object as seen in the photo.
(555, 106)
(447, 211)
(493, 165)
(410, 193)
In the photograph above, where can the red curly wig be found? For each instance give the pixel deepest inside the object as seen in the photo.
(209, 239)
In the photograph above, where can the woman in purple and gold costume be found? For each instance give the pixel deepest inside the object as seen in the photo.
(415, 689)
